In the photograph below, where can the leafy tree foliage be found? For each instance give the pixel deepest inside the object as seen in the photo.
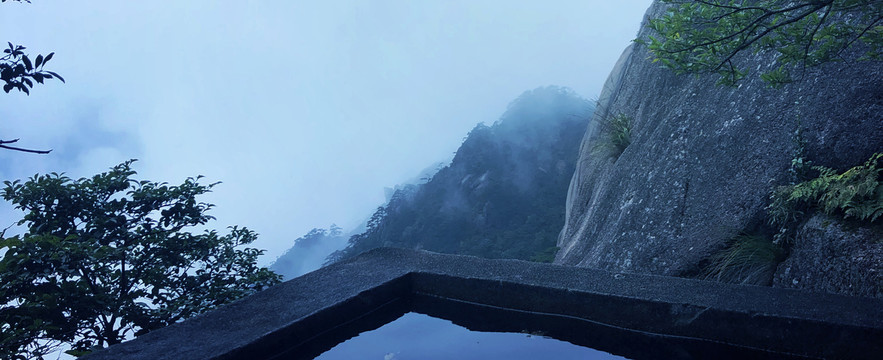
(18, 72)
(108, 256)
(708, 35)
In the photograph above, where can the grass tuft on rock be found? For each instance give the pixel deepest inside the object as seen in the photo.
(615, 135)
(749, 259)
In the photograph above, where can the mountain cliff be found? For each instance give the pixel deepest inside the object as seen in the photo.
(503, 194)
(702, 161)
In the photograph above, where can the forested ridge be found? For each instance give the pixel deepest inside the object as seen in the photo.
(503, 194)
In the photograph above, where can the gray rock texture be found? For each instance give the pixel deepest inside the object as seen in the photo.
(829, 256)
(704, 158)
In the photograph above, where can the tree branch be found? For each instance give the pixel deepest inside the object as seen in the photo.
(736, 9)
(812, 35)
(862, 33)
(4, 146)
(752, 26)
(754, 39)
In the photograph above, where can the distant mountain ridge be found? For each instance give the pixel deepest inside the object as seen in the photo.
(503, 194)
(308, 252)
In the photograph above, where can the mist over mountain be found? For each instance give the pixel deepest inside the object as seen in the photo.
(504, 192)
(309, 252)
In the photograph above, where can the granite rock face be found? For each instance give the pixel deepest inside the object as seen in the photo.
(829, 256)
(704, 159)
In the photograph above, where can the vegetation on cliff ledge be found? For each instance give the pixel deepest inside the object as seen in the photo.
(856, 194)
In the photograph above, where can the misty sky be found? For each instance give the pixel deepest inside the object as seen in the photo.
(305, 110)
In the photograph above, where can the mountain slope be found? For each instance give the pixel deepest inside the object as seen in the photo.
(503, 194)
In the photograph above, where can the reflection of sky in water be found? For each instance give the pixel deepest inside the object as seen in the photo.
(418, 336)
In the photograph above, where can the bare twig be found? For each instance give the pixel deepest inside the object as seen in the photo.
(4, 146)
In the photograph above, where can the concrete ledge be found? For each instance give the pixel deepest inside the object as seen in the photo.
(627, 314)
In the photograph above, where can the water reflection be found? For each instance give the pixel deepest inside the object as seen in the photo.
(418, 336)
(493, 333)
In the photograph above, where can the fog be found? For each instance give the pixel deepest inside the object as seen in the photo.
(305, 111)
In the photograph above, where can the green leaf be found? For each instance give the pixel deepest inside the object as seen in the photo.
(56, 75)
(27, 62)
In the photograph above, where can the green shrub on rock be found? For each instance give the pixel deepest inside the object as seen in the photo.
(856, 194)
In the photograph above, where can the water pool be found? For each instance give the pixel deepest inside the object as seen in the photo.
(430, 327)
(419, 336)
